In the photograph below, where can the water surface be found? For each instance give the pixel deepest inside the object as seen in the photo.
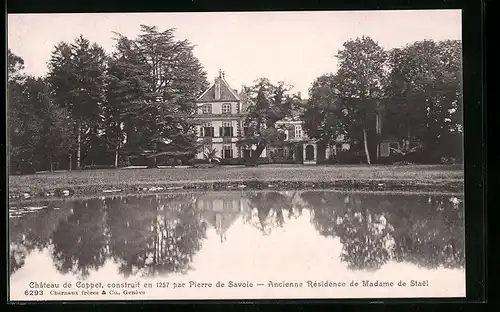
(246, 238)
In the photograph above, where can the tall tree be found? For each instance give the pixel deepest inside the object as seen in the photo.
(174, 79)
(22, 132)
(15, 67)
(269, 104)
(126, 94)
(361, 74)
(56, 131)
(38, 129)
(76, 76)
(424, 94)
(321, 115)
(53, 128)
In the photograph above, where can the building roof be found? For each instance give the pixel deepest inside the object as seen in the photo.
(226, 92)
(220, 221)
(245, 101)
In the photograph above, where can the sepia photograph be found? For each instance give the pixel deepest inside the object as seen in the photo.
(235, 155)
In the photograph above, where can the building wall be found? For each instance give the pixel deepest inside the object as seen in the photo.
(297, 130)
(216, 107)
(222, 203)
(218, 119)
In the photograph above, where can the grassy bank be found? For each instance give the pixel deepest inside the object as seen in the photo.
(424, 178)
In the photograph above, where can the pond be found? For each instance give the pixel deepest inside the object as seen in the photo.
(309, 244)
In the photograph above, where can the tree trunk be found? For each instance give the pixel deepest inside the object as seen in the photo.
(79, 143)
(70, 160)
(256, 154)
(367, 152)
(117, 152)
(118, 143)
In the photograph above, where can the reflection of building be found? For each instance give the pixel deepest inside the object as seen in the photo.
(222, 210)
(221, 113)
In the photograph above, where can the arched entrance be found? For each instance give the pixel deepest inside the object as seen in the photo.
(309, 153)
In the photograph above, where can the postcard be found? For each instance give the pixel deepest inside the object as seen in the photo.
(235, 155)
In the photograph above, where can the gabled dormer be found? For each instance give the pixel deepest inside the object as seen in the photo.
(219, 99)
(219, 91)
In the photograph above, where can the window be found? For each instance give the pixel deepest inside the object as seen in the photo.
(246, 131)
(226, 130)
(227, 205)
(298, 131)
(208, 204)
(207, 109)
(291, 133)
(227, 152)
(226, 108)
(208, 132)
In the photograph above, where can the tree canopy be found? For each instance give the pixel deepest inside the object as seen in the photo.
(136, 104)
(269, 103)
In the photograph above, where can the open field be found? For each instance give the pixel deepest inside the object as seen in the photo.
(95, 181)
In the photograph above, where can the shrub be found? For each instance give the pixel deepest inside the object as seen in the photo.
(124, 161)
(95, 167)
(206, 165)
(263, 160)
(282, 160)
(197, 161)
(448, 161)
(348, 158)
(232, 161)
(403, 163)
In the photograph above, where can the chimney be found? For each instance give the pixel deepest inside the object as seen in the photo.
(217, 86)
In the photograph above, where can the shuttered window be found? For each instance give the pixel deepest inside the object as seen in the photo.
(227, 152)
(226, 130)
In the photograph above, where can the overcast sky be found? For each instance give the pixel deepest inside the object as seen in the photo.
(295, 47)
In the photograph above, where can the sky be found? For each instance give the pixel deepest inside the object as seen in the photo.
(295, 47)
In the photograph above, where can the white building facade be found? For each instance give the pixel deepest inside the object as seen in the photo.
(221, 112)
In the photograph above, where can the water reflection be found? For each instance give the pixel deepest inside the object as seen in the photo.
(161, 234)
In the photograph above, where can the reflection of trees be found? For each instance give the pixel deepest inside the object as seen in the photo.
(80, 242)
(364, 235)
(425, 230)
(270, 207)
(32, 231)
(154, 235)
(325, 207)
(429, 231)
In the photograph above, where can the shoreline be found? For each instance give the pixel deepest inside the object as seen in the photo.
(445, 186)
(52, 200)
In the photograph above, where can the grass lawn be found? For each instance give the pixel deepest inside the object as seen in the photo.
(425, 174)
